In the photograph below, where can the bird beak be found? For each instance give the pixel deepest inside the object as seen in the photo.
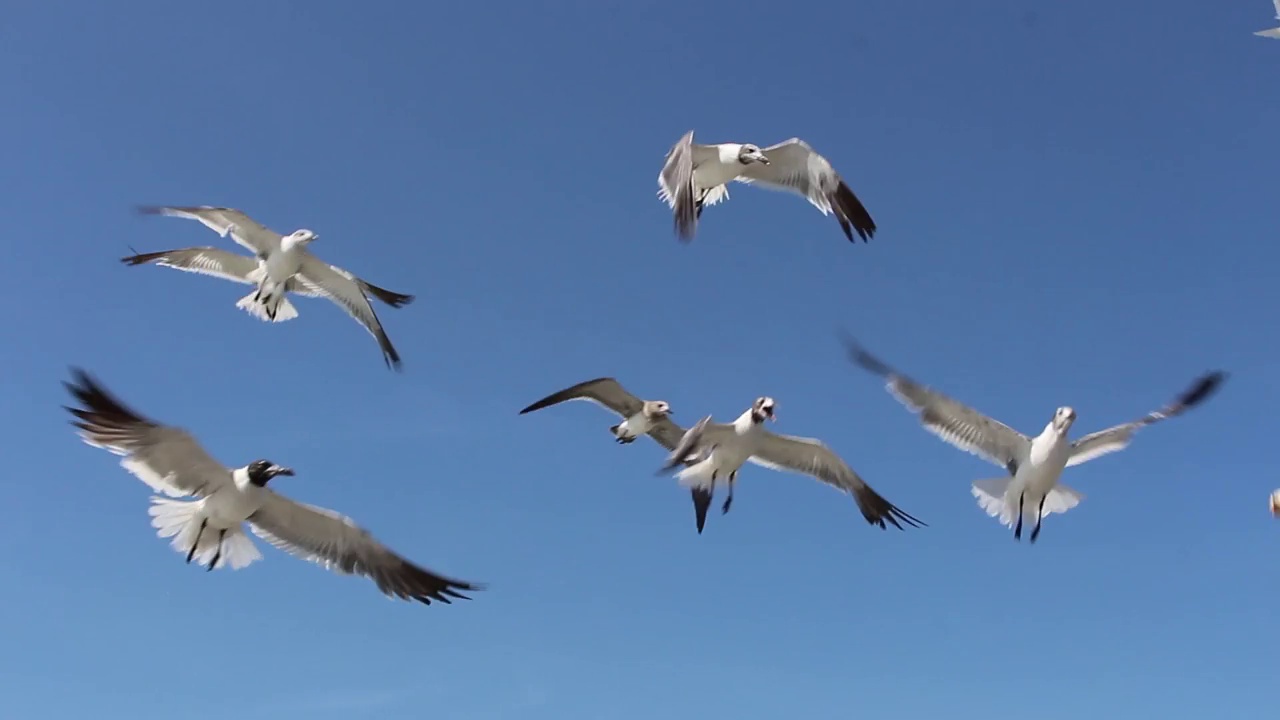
(772, 416)
(281, 470)
(761, 158)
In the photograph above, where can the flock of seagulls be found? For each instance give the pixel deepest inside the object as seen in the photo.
(208, 510)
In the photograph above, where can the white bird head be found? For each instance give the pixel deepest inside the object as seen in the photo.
(303, 236)
(1063, 418)
(260, 472)
(749, 153)
(656, 409)
(762, 409)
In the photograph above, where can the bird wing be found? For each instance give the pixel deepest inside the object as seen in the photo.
(206, 261)
(796, 167)
(336, 543)
(954, 422)
(1276, 3)
(688, 447)
(1117, 438)
(606, 392)
(811, 457)
(166, 458)
(675, 187)
(320, 278)
(243, 229)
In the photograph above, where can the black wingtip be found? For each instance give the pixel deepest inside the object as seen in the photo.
(852, 214)
(1203, 388)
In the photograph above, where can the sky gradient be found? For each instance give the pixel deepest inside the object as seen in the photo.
(1075, 206)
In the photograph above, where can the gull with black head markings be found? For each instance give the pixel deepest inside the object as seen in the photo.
(695, 176)
(711, 452)
(210, 529)
(281, 264)
(1031, 489)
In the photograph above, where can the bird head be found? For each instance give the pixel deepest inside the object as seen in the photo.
(657, 409)
(303, 236)
(762, 409)
(1063, 418)
(749, 153)
(261, 471)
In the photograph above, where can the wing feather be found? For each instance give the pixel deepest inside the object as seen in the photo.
(345, 290)
(166, 458)
(336, 543)
(246, 231)
(210, 261)
(796, 167)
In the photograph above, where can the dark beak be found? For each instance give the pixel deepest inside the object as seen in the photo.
(280, 470)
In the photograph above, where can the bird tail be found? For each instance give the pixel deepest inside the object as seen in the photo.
(264, 306)
(181, 520)
(994, 497)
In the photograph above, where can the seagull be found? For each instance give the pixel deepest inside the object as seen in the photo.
(639, 417)
(1275, 503)
(1032, 488)
(1273, 32)
(711, 451)
(280, 265)
(695, 176)
(210, 529)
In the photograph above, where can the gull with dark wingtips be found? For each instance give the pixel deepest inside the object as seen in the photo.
(712, 452)
(210, 529)
(281, 264)
(695, 176)
(1032, 489)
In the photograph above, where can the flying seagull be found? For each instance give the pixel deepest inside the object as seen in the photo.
(1273, 32)
(639, 417)
(695, 176)
(1275, 503)
(715, 451)
(280, 265)
(1032, 488)
(210, 529)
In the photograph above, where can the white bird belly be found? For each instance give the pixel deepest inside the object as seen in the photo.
(714, 174)
(635, 426)
(231, 506)
(283, 265)
(1043, 470)
(724, 460)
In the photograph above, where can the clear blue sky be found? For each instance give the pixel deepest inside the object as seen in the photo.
(1076, 205)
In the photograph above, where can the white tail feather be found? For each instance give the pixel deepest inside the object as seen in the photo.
(180, 520)
(696, 476)
(284, 309)
(994, 497)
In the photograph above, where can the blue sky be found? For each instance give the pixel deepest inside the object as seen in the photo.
(1075, 206)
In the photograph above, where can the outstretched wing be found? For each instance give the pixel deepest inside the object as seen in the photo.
(336, 543)
(1117, 438)
(166, 458)
(243, 229)
(796, 167)
(344, 289)
(206, 261)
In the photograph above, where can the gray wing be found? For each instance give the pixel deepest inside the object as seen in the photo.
(166, 458)
(954, 422)
(795, 167)
(811, 457)
(606, 392)
(243, 229)
(317, 277)
(689, 447)
(206, 261)
(336, 543)
(675, 187)
(1117, 438)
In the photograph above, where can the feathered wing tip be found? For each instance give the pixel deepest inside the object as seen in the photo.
(411, 582)
(394, 299)
(180, 520)
(143, 258)
(1204, 387)
(851, 214)
(103, 418)
(878, 511)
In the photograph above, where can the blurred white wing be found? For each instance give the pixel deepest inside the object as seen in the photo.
(243, 229)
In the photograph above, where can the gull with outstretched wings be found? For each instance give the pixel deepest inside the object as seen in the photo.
(210, 528)
(1031, 489)
(695, 176)
(281, 264)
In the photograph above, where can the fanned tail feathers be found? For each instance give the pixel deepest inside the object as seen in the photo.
(994, 498)
(180, 520)
(283, 308)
